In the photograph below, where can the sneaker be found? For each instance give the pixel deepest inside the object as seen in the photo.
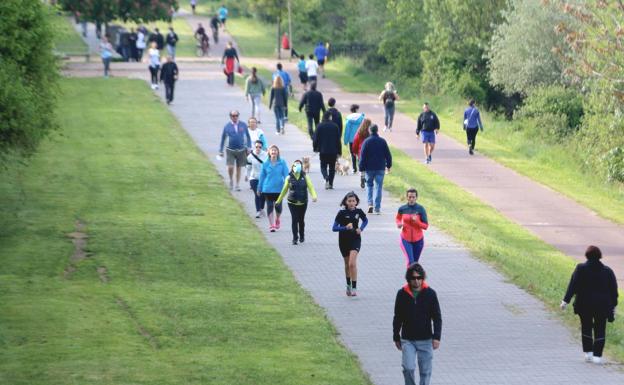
(370, 209)
(362, 182)
(389, 129)
(258, 214)
(331, 187)
(301, 239)
(378, 212)
(353, 292)
(429, 158)
(470, 151)
(589, 356)
(272, 228)
(238, 188)
(277, 223)
(349, 292)
(597, 360)
(294, 241)
(326, 185)
(385, 129)
(156, 86)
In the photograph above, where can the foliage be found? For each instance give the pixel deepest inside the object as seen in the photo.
(28, 75)
(469, 87)
(525, 51)
(104, 11)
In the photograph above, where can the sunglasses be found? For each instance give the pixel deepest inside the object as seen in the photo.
(416, 277)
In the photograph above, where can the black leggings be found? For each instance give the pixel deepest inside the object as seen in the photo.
(328, 167)
(471, 137)
(353, 157)
(598, 325)
(154, 73)
(270, 199)
(297, 212)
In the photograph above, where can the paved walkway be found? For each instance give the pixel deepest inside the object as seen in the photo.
(494, 333)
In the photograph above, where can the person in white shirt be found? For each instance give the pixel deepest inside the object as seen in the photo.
(140, 44)
(154, 64)
(256, 134)
(254, 166)
(312, 68)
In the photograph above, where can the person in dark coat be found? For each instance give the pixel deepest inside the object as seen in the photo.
(375, 158)
(313, 102)
(336, 115)
(595, 288)
(158, 38)
(172, 40)
(169, 75)
(327, 144)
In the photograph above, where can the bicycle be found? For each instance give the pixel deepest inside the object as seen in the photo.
(202, 46)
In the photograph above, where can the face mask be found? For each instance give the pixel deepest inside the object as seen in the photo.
(297, 168)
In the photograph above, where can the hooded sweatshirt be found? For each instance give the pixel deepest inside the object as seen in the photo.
(414, 314)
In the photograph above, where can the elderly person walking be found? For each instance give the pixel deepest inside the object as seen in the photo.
(595, 288)
(237, 148)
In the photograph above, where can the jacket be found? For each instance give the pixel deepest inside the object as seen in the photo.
(258, 134)
(252, 88)
(427, 121)
(353, 123)
(414, 221)
(169, 72)
(336, 118)
(272, 176)
(279, 97)
(254, 166)
(327, 138)
(313, 102)
(595, 288)
(414, 315)
(357, 144)
(172, 39)
(375, 154)
(297, 187)
(474, 118)
(238, 139)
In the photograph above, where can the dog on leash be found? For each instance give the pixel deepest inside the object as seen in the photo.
(342, 166)
(306, 164)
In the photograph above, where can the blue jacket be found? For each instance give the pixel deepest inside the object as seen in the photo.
(320, 52)
(375, 154)
(284, 75)
(272, 176)
(353, 123)
(237, 139)
(474, 117)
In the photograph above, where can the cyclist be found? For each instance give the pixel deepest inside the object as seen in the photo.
(203, 42)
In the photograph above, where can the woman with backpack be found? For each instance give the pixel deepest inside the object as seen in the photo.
(297, 185)
(388, 96)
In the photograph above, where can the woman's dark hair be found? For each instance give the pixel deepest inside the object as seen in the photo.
(311, 56)
(414, 268)
(350, 194)
(412, 190)
(593, 252)
(471, 102)
(331, 102)
(254, 75)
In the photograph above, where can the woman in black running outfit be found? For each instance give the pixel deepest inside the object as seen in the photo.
(349, 239)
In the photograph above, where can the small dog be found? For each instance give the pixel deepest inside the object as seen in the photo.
(306, 164)
(342, 166)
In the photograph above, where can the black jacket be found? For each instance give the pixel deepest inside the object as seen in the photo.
(428, 121)
(169, 72)
(327, 138)
(313, 102)
(336, 117)
(413, 316)
(172, 38)
(595, 288)
(159, 39)
(279, 98)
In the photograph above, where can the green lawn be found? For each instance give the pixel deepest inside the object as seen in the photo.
(194, 293)
(555, 166)
(66, 39)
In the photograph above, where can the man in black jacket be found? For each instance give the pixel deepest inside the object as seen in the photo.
(158, 38)
(327, 144)
(429, 126)
(336, 115)
(168, 75)
(416, 308)
(313, 102)
(172, 40)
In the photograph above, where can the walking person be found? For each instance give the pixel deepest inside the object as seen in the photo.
(312, 69)
(416, 310)
(255, 159)
(472, 125)
(354, 120)
(347, 224)
(336, 115)
(106, 53)
(223, 14)
(172, 41)
(429, 125)
(256, 133)
(169, 75)
(361, 135)
(327, 143)
(154, 64)
(272, 175)
(595, 288)
(297, 185)
(313, 102)
(287, 85)
(388, 96)
(193, 5)
(411, 218)
(157, 38)
(133, 40)
(303, 72)
(237, 147)
(375, 159)
(140, 43)
(229, 62)
(321, 53)
(278, 100)
(254, 90)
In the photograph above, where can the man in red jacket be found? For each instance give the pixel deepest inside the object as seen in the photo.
(412, 220)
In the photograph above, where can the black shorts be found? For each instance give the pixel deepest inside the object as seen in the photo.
(303, 76)
(320, 61)
(272, 197)
(348, 244)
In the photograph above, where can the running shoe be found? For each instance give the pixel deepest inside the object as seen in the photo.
(349, 291)
(370, 209)
(272, 228)
(353, 292)
(597, 360)
(429, 158)
(301, 239)
(385, 129)
(277, 223)
(238, 188)
(470, 151)
(589, 356)
(258, 214)
(362, 182)
(326, 185)
(294, 241)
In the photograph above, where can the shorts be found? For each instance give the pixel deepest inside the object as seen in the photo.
(428, 136)
(303, 76)
(320, 61)
(271, 197)
(311, 78)
(236, 156)
(346, 245)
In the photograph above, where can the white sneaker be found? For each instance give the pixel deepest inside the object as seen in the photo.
(156, 85)
(151, 85)
(258, 214)
(597, 360)
(385, 128)
(589, 356)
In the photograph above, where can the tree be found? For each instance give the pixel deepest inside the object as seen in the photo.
(28, 75)
(103, 11)
(526, 50)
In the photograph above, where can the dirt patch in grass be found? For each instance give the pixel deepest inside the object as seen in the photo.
(79, 239)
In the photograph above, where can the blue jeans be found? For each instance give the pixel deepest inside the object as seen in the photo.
(389, 115)
(375, 177)
(279, 118)
(171, 50)
(412, 349)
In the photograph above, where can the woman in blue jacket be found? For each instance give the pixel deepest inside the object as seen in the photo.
(354, 120)
(272, 175)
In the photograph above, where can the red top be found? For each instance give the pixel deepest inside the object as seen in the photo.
(408, 289)
(412, 230)
(357, 143)
(285, 42)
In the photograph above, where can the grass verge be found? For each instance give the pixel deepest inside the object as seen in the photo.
(178, 285)
(66, 40)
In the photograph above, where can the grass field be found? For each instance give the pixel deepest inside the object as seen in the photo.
(555, 166)
(66, 39)
(174, 285)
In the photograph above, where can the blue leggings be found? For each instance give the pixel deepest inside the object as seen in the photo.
(412, 250)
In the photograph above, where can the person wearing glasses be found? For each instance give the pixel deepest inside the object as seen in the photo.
(416, 310)
(237, 148)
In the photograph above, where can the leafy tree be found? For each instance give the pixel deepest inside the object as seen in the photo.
(28, 75)
(103, 11)
(525, 51)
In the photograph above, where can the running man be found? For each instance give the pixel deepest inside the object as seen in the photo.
(297, 186)
(412, 220)
(223, 14)
(321, 53)
(349, 237)
(237, 148)
(429, 125)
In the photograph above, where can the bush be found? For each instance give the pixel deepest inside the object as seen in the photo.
(468, 87)
(28, 74)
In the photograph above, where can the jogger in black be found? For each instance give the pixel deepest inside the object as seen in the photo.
(297, 185)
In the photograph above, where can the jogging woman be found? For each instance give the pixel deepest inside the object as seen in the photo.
(229, 60)
(297, 186)
(412, 220)
(154, 64)
(359, 138)
(388, 96)
(349, 239)
(255, 133)
(272, 175)
(303, 72)
(254, 89)
(279, 102)
(255, 159)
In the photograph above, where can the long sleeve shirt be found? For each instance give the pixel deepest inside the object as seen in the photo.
(472, 115)
(237, 136)
(286, 187)
(252, 88)
(415, 314)
(254, 166)
(313, 102)
(413, 219)
(353, 123)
